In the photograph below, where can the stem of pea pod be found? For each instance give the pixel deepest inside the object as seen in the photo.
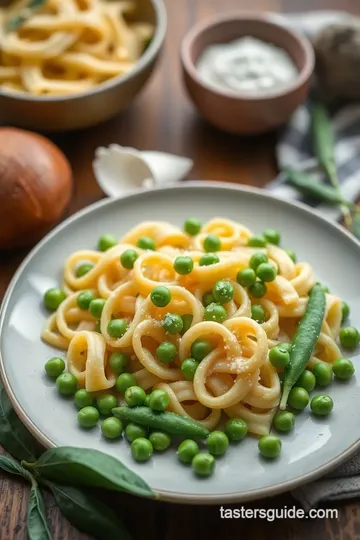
(344, 208)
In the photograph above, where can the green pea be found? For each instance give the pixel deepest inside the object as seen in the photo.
(298, 398)
(208, 299)
(106, 241)
(160, 441)
(284, 421)
(257, 240)
(192, 226)
(119, 362)
(321, 405)
(88, 417)
(203, 464)
(246, 277)
(116, 328)
(236, 429)
(349, 337)
(96, 307)
(258, 258)
(83, 398)
(258, 313)
(183, 265)
(285, 346)
(223, 291)
(269, 446)
(84, 299)
(188, 368)
(124, 381)
(212, 243)
(141, 449)
(160, 296)
(217, 443)
(53, 298)
(291, 253)
(343, 369)
(147, 243)
(345, 311)
(111, 428)
(66, 384)
(266, 272)
(128, 258)
(323, 374)
(187, 450)
(216, 313)
(279, 357)
(159, 400)
(201, 348)
(208, 259)
(54, 367)
(258, 290)
(166, 352)
(272, 236)
(147, 400)
(134, 431)
(173, 323)
(187, 320)
(135, 396)
(106, 403)
(306, 380)
(83, 269)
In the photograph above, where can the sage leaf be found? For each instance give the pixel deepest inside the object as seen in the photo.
(88, 467)
(11, 466)
(14, 436)
(88, 513)
(324, 142)
(37, 525)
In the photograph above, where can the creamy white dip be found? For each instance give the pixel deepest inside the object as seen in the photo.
(247, 65)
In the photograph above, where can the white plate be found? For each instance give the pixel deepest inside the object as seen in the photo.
(312, 449)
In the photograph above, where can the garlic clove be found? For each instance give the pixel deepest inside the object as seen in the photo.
(167, 168)
(120, 170)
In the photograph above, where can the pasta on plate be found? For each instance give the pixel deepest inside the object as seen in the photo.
(235, 377)
(68, 46)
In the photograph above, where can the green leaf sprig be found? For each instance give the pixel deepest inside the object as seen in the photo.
(63, 471)
(306, 184)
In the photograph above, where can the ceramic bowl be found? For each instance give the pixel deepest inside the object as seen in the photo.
(61, 113)
(231, 111)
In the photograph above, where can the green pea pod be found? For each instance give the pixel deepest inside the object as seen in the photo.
(310, 186)
(83, 466)
(323, 139)
(305, 340)
(167, 421)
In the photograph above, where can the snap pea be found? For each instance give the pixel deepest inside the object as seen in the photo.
(304, 341)
(308, 185)
(167, 421)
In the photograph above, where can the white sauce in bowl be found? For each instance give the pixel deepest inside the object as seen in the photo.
(247, 66)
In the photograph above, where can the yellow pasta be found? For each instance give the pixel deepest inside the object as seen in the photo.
(68, 46)
(235, 378)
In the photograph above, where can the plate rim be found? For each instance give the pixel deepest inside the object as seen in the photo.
(167, 495)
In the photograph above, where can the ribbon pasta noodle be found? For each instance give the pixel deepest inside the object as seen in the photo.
(235, 378)
(68, 46)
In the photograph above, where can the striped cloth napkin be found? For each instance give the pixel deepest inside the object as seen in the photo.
(294, 148)
(294, 151)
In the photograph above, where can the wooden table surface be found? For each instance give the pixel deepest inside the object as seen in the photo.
(162, 118)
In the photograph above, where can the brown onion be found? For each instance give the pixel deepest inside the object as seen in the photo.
(35, 187)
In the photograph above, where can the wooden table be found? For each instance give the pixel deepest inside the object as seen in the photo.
(162, 118)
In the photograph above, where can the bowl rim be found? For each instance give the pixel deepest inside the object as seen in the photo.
(146, 59)
(266, 19)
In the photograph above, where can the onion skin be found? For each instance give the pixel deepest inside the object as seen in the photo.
(35, 187)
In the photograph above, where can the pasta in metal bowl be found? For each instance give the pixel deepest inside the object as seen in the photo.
(184, 288)
(62, 47)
